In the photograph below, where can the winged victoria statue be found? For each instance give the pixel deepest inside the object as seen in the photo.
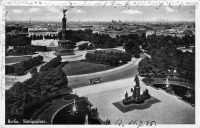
(64, 10)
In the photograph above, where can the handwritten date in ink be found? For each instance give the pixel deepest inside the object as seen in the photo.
(139, 123)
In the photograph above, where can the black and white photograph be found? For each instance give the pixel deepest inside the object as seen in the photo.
(99, 63)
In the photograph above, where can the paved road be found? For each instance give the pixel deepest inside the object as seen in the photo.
(125, 72)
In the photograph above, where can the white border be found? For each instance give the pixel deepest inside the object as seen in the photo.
(95, 3)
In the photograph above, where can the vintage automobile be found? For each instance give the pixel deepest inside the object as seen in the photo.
(95, 80)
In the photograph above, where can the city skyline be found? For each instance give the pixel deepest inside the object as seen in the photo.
(94, 13)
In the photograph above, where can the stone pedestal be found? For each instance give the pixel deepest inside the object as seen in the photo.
(64, 45)
(64, 48)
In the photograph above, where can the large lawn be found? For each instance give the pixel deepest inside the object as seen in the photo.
(78, 67)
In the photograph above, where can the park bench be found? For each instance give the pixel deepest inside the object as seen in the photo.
(95, 80)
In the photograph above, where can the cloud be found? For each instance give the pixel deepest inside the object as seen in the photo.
(17, 11)
(75, 10)
(168, 9)
(130, 11)
(54, 10)
(79, 11)
(34, 9)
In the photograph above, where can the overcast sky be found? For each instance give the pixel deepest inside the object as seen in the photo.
(92, 13)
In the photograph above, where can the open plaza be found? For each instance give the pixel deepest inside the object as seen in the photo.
(168, 110)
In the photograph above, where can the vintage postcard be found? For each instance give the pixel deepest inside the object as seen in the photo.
(113, 63)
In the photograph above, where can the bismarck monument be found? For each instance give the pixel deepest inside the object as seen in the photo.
(64, 46)
(136, 97)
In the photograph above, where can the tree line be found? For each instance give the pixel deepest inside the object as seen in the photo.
(40, 37)
(24, 50)
(110, 58)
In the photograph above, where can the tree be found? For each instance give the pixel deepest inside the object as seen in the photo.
(147, 65)
(19, 70)
(124, 58)
(34, 70)
(94, 57)
(87, 56)
(17, 87)
(61, 79)
(98, 57)
(27, 98)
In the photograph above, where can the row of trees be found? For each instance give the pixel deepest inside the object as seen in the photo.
(19, 68)
(40, 37)
(76, 36)
(24, 98)
(110, 58)
(24, 50)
